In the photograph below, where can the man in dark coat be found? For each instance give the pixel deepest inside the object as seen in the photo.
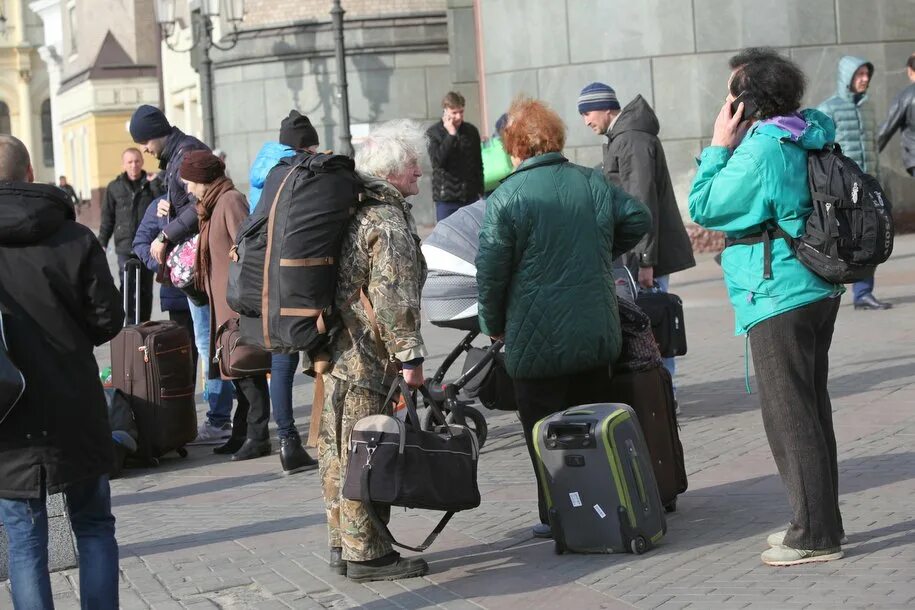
(457, 160)
(58, 301)
(901, 117)
(126, 200)
(150, 129)
(634, 160)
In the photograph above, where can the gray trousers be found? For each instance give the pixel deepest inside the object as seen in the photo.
(791, 359)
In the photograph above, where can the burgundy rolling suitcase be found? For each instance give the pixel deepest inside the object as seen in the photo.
(152, 363)
(650, 394)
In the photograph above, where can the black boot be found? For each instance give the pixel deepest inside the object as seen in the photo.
(252, 449)
(336, 560)
(871, 302)
(390, 567)
(230, 446)
(293, 456)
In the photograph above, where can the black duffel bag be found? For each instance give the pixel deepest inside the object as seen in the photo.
(397, 463)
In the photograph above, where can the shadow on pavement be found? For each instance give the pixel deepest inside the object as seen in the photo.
(183, 491)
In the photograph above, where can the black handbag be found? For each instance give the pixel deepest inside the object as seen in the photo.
(397, 463)
(667, 324)
(492, 385)
(12, 381)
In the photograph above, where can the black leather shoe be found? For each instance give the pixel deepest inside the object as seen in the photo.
(230, 446)
(869, 301)
(252, 449)
(336, 560)
(293, 456)
(394, 568)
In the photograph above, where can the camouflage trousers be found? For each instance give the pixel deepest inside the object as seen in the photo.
(348, 524)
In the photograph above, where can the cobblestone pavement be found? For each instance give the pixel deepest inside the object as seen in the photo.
(206, 533)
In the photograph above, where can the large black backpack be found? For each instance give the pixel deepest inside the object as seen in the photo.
(284, 271)
(850, 230)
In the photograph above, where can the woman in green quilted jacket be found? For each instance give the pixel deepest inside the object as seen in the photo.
(754, 177)
(544, 271)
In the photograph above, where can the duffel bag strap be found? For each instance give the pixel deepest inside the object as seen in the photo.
(382, 527)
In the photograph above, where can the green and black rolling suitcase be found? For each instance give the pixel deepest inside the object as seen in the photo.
(597, 475)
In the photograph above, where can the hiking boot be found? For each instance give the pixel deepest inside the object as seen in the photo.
(208, 434)
(336, 562)
(542, 530)
(778, 539)
(252, 449)
(786, 556)
(293, 456)
(390, 567)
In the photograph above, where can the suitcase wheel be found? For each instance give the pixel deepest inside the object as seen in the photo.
(181, 451)
(638, 545)
(671, 506)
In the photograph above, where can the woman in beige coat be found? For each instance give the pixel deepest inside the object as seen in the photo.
(220, 211)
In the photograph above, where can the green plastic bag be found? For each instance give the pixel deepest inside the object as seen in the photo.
(496, 164)
(105, 376)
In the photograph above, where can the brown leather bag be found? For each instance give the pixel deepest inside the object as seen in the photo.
(235, 359)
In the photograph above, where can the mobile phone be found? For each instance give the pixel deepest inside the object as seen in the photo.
(749, 108)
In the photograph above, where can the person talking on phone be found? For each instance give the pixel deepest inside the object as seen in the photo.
(752, 178)
(457, 161)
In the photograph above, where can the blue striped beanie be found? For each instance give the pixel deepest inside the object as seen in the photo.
(597, 96)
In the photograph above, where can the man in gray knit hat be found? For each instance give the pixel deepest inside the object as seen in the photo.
(634, 160)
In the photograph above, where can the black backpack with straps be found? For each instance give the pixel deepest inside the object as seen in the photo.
(850, 230)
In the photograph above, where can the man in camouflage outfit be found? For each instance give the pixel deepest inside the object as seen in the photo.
(380, 279)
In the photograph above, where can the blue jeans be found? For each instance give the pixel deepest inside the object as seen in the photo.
(862, 288)
(282, 374)
(26, 523)
(670, 364)
(218, 393)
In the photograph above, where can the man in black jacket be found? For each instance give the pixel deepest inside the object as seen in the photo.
(126, 200)
(457, 160)
(902, 117)
(58, 301)
(634, 160)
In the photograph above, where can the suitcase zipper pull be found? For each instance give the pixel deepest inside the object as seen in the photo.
(145, 351)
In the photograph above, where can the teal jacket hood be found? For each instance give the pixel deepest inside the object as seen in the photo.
(848, 65)
(810, 129)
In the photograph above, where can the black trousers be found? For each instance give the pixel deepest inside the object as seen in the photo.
(538, 398)
(183, 318)
(791, 359)
(252, 413)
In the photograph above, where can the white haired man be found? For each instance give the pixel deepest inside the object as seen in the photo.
(380, 256)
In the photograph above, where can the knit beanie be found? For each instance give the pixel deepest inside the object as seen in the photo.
(148, 123)
(297, 131)
(597, 96)
(202, 167)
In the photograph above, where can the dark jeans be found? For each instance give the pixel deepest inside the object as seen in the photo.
(791, 359)
(538, 398)
(862, 288)
(146, 289)
(444, 209)
(282, 374)
(26, 524)
(252, 413)
(183, 318)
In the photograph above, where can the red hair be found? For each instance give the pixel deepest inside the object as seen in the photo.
(533, 129)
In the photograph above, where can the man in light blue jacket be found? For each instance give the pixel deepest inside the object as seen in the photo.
(856, 134)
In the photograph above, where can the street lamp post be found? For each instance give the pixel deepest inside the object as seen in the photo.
(346, 138)
(202, 14)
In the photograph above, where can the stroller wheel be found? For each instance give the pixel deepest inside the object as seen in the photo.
(474, 420)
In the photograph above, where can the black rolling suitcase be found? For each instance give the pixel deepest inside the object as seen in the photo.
(600, 488)
(667, 324)
(152, 364)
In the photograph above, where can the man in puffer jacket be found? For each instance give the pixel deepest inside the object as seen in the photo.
(855, 133)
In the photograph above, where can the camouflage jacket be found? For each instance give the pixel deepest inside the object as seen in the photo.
(381, 256)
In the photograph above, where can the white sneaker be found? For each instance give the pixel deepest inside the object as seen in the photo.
(208, 434)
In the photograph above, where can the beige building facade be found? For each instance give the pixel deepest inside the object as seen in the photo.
(25, 104)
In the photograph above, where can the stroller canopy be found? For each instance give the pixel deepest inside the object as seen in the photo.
(450, 293)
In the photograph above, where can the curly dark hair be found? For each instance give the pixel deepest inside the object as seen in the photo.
(773, 82)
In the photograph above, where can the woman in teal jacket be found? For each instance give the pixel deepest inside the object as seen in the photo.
(544, 272)
(754, 177)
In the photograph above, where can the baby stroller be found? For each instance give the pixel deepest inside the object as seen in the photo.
(450, 301)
